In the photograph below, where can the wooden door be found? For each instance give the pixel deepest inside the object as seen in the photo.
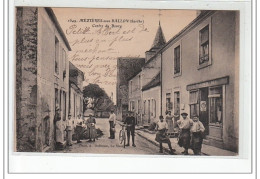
(204, 109)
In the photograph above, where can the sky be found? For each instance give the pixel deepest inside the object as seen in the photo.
(99, 36)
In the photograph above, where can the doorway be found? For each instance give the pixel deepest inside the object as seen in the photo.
(204, 109)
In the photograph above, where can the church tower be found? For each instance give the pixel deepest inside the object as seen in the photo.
(158, 43)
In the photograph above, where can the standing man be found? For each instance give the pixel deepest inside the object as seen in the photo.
(69, 131)
(112, 123)
(130, 122)
(184, 138)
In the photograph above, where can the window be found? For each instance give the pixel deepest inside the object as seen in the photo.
(144, 107)
(132, 106)
(215, 105)
(131, 87)
(57, 53)
(194, 103)
(139, 81)
(204, 46)
(177, 103)
(46, 131)
(139, 107)
(177, 60)
(168, 102)
(64, 63)
(151, 108)
(154, 108)
(148, 108)
(64, 106)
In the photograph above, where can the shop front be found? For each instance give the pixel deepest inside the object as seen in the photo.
(207, 100)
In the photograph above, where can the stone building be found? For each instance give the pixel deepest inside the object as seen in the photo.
(200, 75)
(144, 87)
(76, 78)
(126, 67)
(42, 79)
(135, 95)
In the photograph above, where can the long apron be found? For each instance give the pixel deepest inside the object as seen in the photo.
(161, 137)
(184, 138)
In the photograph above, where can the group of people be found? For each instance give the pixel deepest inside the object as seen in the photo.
(79, 129)
(129, 122)
(90, 124)
(190, 130)
(190, 134)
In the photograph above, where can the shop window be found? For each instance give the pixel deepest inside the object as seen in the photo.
(177, 60)
(204, 47)
(215, 105)
(194, 103)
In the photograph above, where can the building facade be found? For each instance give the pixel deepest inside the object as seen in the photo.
(126, 67)
(135, 96)
(200, 75)
(42, 79)
(144, 87)
(76, 78)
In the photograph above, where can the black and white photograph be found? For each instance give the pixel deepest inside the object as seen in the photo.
(127, 81)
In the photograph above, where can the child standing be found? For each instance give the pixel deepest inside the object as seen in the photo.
(196, 130)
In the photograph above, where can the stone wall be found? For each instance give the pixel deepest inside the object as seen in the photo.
(26, 79)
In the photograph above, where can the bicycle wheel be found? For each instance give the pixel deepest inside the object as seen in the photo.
(121, 137)
(124, 138)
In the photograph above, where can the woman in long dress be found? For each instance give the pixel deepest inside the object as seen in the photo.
(91, 122)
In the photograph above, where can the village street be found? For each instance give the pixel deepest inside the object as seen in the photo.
(104, 145)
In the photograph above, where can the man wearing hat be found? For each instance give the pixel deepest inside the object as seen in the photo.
(69, 130)
(184, 124)
(161, 136)
(130, 121)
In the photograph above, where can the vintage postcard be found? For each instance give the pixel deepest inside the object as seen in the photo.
(127, 81)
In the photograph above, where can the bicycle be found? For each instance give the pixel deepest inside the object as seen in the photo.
(122, 135)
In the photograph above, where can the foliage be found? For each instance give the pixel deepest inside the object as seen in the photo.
(93, 96)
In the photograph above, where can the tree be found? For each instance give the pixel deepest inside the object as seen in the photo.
(92, 94)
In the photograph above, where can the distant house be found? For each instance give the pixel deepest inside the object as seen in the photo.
(104, 107)
(144, 87)
(76, 78)
(42, 79)
(126, 67)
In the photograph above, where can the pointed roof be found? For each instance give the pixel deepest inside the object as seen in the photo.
(159, 39)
